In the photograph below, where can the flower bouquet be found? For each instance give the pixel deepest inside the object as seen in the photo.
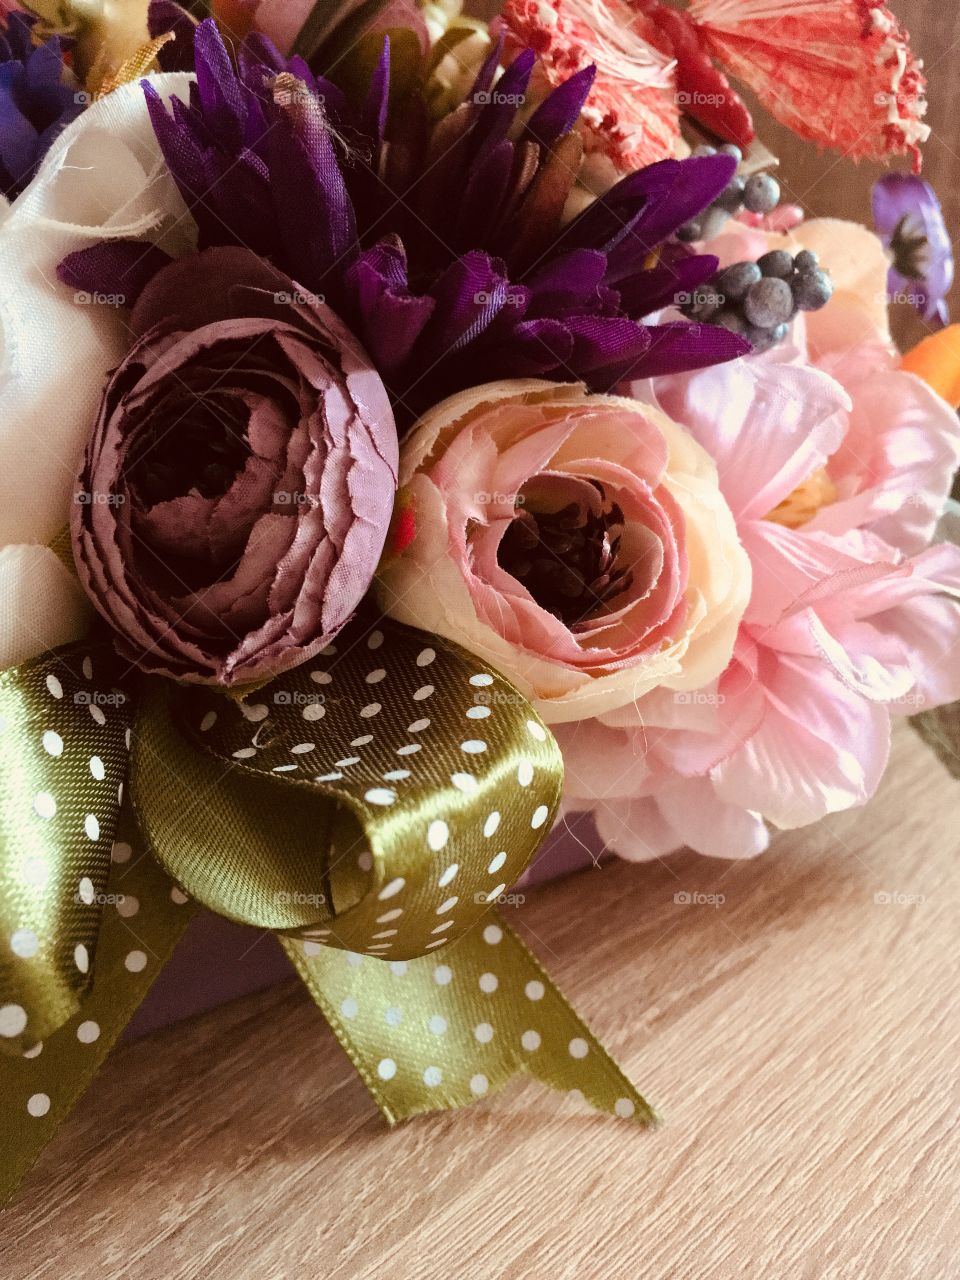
(424, 426)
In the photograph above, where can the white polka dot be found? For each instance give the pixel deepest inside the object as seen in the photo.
(473, 746)
(446, 924)
(321, 677)
(121, 852)
(387, 916)
(442, 975)
(492, 934)
(97, 768)
(349, 1008)
(302, 748)
(178, 896)
(136, 961)
(52, 743)
(418, 726)
(392, 889)
(440, 942)
(488, 983)
(410, 749)
(386, 1068)
(35, 871)
(285, 768)
(328, 777)
(530, 1040)
(478, 713)
(483, 1032)
(495, 893)
(35, 1052)
(128, 905)
(385, 933)
(534, 990)
(380, 795)
(425, 657)
(578, 1048)
(91, 825)
(24, 943)
(491, 824)
(481, 681)
(86, 892)
(245, 753)
(537, 731)
(497, 862)
(437, 1024)
(479, 1084)
(464, 782)
(38, 1104)
(365, 860)
(256, 712)
(374, 677)
(370, 710)
(329, 651)
(311, 948)
(81, 957)
(374, 639)
(362, 740)
(398, 968)
(624, 1108)
(87, 668)
(54, 687)
(346, 762)
(88, 1031)
(447, 905)
(393, 1016)
(314, 711)
(44, 804)
(524, 773)
(397, 775)
(423, 693)
(208, 721)
(97, 714)
(539, 817)
(449, 875)
(13, 1020)
(432, 1076)
(438, 833)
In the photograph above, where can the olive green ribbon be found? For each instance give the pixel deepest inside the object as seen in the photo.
(370, 807)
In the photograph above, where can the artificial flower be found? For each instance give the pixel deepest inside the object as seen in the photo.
(283, 20)
(103, 176)
(909, 221)
(239, 482)
(836, 466)
(578, 542)
(504, 289)
(39, 96)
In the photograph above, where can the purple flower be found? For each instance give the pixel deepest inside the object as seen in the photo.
(909, 221)
(239, 483)
(441, 243)
(38, 97)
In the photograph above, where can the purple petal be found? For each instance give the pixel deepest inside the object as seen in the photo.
(910, 222)
(373, 118)
(117, 268)
(217, 85)
(559, 112)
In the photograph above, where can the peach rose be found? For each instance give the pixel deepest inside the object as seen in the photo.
(577, 542)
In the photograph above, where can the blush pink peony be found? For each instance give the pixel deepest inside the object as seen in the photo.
(577, 542)
(836, 466)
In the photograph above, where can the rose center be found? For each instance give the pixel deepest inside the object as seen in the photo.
(805, 501)
(567, 559)
(201, 453)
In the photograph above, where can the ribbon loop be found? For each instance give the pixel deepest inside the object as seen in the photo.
(64, 734)
(378, 799)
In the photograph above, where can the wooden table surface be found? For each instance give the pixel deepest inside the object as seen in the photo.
(801, 1037)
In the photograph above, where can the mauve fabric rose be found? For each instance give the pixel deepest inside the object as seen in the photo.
(578, 542)
(236, 492)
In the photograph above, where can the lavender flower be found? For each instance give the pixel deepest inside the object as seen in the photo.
(909, 221)
(38, 97)
(440, 243)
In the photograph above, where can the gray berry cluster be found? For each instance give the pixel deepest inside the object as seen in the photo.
(759, 193)
(759, 299)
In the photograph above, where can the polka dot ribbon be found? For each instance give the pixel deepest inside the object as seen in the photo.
(370, 806)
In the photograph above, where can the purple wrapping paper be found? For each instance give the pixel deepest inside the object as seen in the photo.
(217, 960)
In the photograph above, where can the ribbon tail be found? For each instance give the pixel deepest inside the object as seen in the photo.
(435, 1033)
(143, 919)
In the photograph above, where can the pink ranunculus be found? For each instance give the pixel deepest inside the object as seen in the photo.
(578, 542)
(837, 466)
(282, 20)
(239, 482)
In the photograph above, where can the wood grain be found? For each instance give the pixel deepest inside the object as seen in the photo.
(801, 1038)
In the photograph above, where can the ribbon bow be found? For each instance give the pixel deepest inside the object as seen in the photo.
(370, 807)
